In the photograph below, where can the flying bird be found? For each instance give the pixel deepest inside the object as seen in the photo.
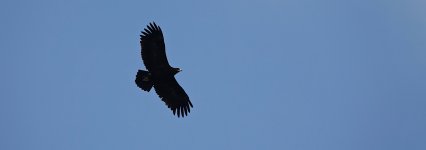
(160, 74)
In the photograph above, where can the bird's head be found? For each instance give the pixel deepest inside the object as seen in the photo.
(176, 70)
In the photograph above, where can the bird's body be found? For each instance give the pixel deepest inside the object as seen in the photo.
(160, 74)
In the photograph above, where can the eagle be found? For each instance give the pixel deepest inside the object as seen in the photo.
(160, 74)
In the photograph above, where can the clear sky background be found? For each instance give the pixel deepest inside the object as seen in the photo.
(264, 74)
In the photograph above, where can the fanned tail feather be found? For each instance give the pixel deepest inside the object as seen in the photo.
(143, 80)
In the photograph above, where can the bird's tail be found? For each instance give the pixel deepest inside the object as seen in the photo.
(143, 80)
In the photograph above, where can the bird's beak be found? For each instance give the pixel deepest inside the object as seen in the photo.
(179, 70)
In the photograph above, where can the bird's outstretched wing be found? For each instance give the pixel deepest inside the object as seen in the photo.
(174, 96)
(153, 50)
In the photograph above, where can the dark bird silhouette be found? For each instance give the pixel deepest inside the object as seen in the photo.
(160, 74)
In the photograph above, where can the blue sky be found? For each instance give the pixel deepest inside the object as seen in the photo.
(270, 74)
